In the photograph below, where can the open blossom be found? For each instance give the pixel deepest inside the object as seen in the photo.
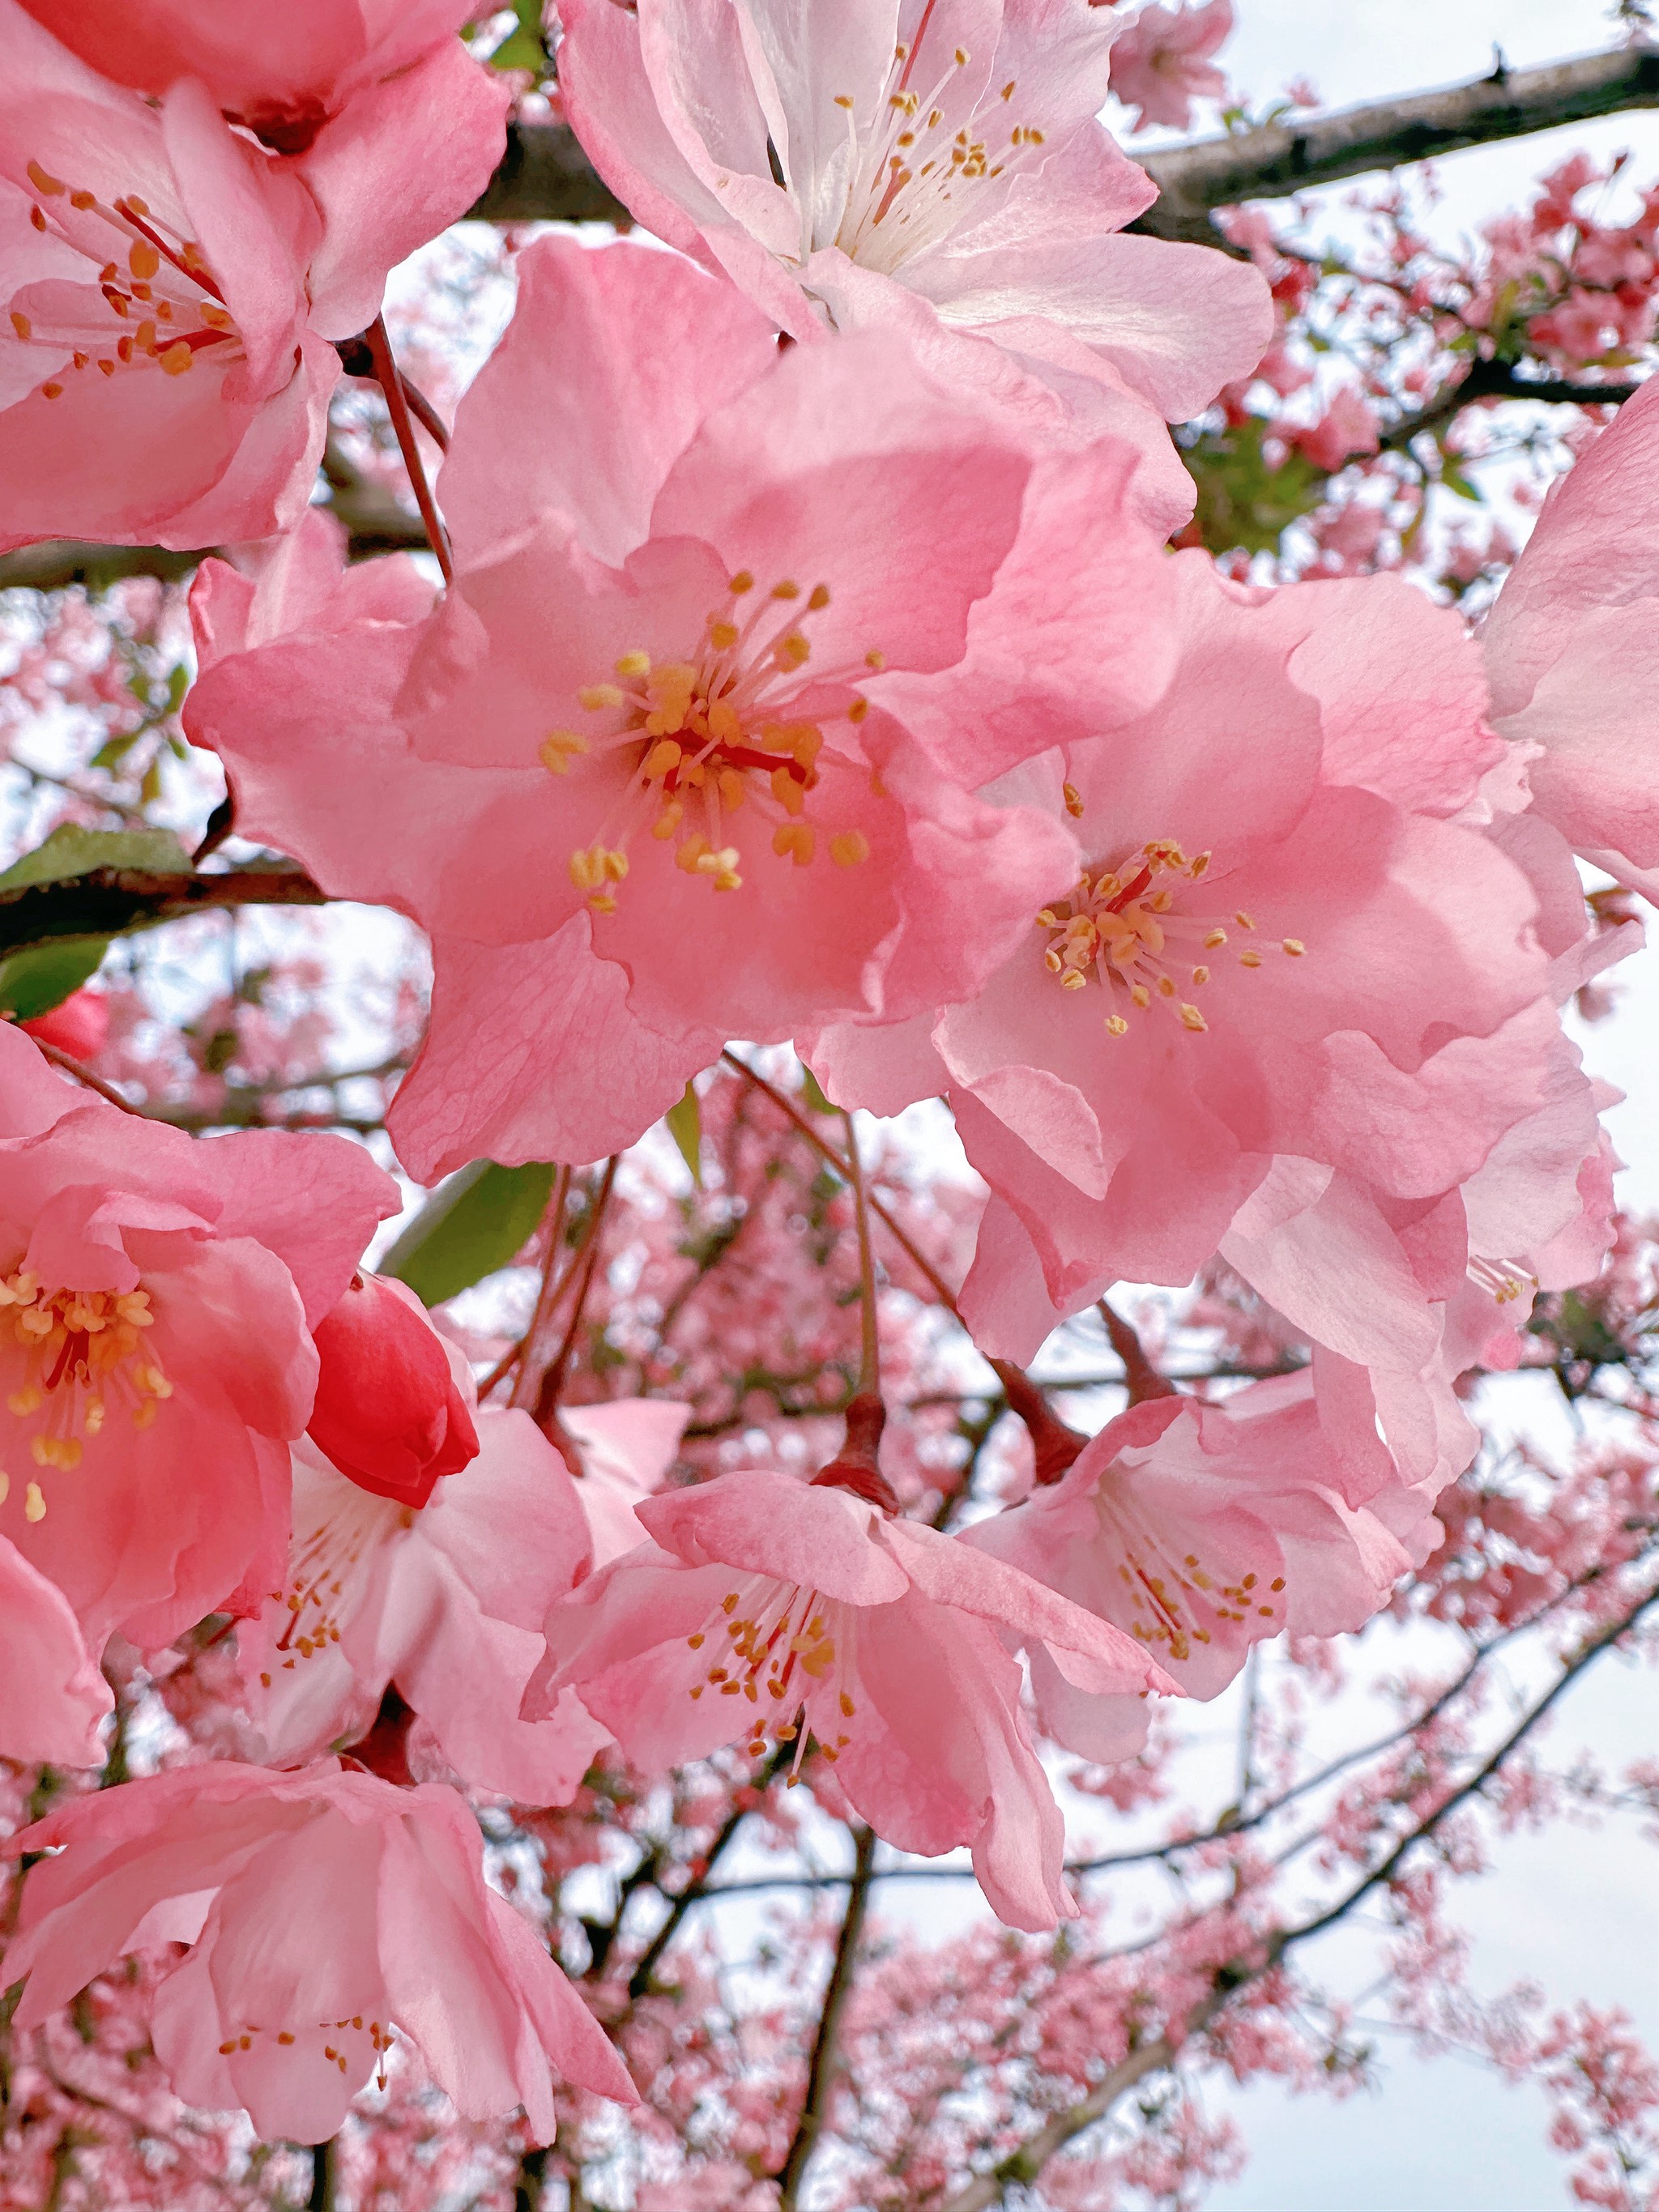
(1161, 61)
(156, 1299)
(53, 1696)
(834, 160)
(284, 73)
(764, 1611)
(1572, 651)
(626, 1446)
(388, 1412)
(172, 289)
(443, 1599)
(327, 1914)
(636, 776)
(1212, 991)
(1200, 1531)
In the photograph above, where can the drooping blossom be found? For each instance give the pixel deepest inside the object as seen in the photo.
(1201, 1530)
(766, 1612)
(1264, 953)
(442, 1599)
(388, 1415)
(156, 1300)
(1161, 61)
(832, 161)
(172, 289)
(52, 1695)
(327, 1914)
(636, 776)
(1572, 651)
(626, 1446)
(284, 73)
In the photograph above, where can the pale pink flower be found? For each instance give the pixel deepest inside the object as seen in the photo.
(626, 1446)
(53, 1696)
(172, 287)
(443, 1600)
(327, 1914)
(766, 1611)
(832, 160)
(1201, 1530)
(282, 72)
(156, 1299)
(1572, 650)
(1209, 994)
(637, 775)
(1161, 61)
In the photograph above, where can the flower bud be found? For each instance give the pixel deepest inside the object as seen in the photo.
(79, 1026)
(388, 1413)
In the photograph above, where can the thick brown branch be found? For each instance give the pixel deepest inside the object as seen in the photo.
(1287, 157)
(821, 2074)
(107, 901)
(1497, 380)
(544, 176)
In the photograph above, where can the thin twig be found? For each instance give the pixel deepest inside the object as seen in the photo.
(822, 2071)
(70, 1066)
(869, 1340)
(396, 402)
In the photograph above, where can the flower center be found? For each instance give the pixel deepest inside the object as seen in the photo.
(1131, 928)
(706, 736)
(337, 2036)
(329, 1566)
(775, 1645)
(80, 1350)
(911, 172)
(1169, 1599)
(160, 302)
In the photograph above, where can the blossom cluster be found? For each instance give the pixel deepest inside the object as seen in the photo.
(803, 661)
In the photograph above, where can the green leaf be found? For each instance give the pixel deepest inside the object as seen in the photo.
(34, 982)
(524, 47)
(685, 1126)
(476, 1222)
(1242, 500)
(72, 851)
(1455, 480)
(814, 1092)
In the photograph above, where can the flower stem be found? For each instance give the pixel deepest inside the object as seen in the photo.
(397, 401)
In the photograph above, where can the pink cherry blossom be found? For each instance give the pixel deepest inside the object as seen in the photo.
(1570, 649)
(636, 774)
(172, 287)
(832, 161)
(626, 1446)
(388, 1413)
(157, 1297)
(327, 1914)
(52, 1695)
(1200, 1531)
(1211, 992)
(444, 1601)
(282, 72)
(1161, 61)
(765, 1611)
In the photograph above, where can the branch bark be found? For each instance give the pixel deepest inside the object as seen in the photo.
(821, 2074)
(108, 900)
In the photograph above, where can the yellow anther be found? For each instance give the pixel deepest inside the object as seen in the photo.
(1074, 798)
(52, 390)
(732, 789)
(558, 749)
(1250, 959)
(1295, 947)
(43, 181)
(1201, 974)
(22, 325)
(663, 757)
(594, 696)
(849, 846)
(723, 635)
(858, 710)
(792, 651)
(35, 1505)
(1214, 937)
(875, 660)
(216, 317)
(794, 841)
(786, 590)
(1141, 995)
(1073, 980)
(788, 790)
(819, 598)
(1116, 1026)
(637, 663)
(143, 259)
(1243, 921)
(1165, 988)
(1191, 1018)
(843, 100)
(742, 582)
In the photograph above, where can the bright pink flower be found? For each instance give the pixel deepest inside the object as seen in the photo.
(1259, 958)
(78, 1026)
(444, 1601)
(626, 1445)
(1161, 61)
(1200, 1531)
(829, 169)
(172, 289)
(52, 1694)
(766, 1610)
(388, 1413)
(637, 775)
(156, 1299)
(326, 1914)
(282, 72)
(1572, 650)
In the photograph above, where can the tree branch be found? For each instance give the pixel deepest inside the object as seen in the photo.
(821, 2074)
(107, 901)
(1497, 380)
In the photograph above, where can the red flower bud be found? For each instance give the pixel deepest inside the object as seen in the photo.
(388, 1412)
(79, 1026)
